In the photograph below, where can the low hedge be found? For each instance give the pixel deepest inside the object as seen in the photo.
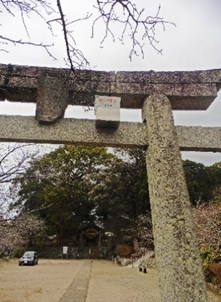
(213, 274)
(123, 250)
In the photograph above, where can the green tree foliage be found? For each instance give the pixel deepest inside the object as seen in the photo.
(121, 194)
(215, 175)
(56, 187)
(72, 185)
(199, 182)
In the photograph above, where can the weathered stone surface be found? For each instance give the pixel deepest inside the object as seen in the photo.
(183, 77)
(52, 98)
(180, 269)
(70, 131)
(205, 139)
(78, 131)
(193, 90)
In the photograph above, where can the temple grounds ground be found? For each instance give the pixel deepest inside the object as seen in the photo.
(78, 280)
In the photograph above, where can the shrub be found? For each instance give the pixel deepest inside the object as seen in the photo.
(18, 252)
(213, 274)
(209, 255)
(123, 250)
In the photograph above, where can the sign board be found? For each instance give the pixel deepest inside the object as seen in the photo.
(107, 111)
(65, 250)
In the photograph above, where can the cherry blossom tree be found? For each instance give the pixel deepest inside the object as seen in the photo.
(17, 233)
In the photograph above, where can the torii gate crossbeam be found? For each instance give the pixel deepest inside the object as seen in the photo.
(83, 131)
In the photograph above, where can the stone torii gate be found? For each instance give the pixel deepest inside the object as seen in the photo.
(156, 94)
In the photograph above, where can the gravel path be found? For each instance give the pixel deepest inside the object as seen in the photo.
(79, 281)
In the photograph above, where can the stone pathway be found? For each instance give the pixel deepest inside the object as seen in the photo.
(99, 281)
(78, 289)
(79, 281)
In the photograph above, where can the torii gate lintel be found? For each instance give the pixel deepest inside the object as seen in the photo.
(53, 89)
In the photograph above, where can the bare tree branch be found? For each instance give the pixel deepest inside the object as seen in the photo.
(23, 10)
(14, 159)
(133, 22)
(75, 56)
(123, 16)
(6, 40)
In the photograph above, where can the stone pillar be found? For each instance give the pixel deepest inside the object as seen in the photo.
(52, 97)
(181, 277)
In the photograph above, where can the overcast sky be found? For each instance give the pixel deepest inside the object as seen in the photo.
(193, 44)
